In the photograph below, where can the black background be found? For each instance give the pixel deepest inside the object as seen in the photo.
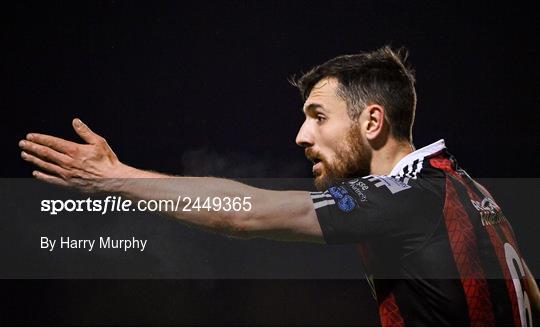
(199, 88)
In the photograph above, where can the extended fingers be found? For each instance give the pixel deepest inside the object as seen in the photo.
(49, 167)
(58, 144)
(45, 153)
(49, 178)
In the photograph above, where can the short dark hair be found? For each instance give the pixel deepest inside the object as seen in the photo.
(378, 77)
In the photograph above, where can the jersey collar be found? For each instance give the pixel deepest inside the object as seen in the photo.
(418, 155)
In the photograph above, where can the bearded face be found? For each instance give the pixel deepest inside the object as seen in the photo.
(352, 159)
(332, 140)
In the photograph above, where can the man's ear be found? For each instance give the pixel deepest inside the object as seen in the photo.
(374, 121)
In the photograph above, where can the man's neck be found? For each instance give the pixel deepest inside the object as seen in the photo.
(384, 159)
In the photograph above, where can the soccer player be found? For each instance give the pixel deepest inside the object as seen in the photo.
(435, 244)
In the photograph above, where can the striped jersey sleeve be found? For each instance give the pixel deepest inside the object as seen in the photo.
(376, 206)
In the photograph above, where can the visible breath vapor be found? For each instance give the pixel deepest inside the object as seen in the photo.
(207, 162)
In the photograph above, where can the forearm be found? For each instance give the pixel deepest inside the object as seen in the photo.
(91, 167)
(276, 215)
(144, 185)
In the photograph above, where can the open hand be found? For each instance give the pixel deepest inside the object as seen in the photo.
(71, 164)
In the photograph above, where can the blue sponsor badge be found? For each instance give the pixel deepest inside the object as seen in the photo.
(345, 202)
(337, 192)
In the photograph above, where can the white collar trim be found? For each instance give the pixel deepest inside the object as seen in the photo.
(418, 155)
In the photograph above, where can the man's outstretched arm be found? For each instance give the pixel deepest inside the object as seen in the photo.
(93, 167)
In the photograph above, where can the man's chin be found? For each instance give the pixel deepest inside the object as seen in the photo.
(321, 182)
(325, 181)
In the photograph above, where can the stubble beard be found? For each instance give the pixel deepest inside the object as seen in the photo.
(353, 159)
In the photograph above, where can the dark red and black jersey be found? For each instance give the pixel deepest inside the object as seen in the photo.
(435, 245)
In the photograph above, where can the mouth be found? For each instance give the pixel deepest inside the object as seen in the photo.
(317, 166)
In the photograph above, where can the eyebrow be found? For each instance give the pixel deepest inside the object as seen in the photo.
(311, 107)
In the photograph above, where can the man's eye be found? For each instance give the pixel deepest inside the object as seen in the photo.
(320, 118)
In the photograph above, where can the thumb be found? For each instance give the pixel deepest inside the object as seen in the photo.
(84, 132)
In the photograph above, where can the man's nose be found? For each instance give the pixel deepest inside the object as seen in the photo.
(304, 138)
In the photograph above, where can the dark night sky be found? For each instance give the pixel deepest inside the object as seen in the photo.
(168, 84)
(177, 87)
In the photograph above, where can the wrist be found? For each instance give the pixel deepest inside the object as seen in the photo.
(121, 175)
(123, 171)
(116, 178)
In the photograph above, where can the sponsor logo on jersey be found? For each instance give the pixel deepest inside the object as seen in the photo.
(359, 187)
(337, 192)
(490, 212)
(393, 184)
(345, 202)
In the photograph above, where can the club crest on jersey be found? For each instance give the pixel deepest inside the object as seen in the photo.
(345, 202)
